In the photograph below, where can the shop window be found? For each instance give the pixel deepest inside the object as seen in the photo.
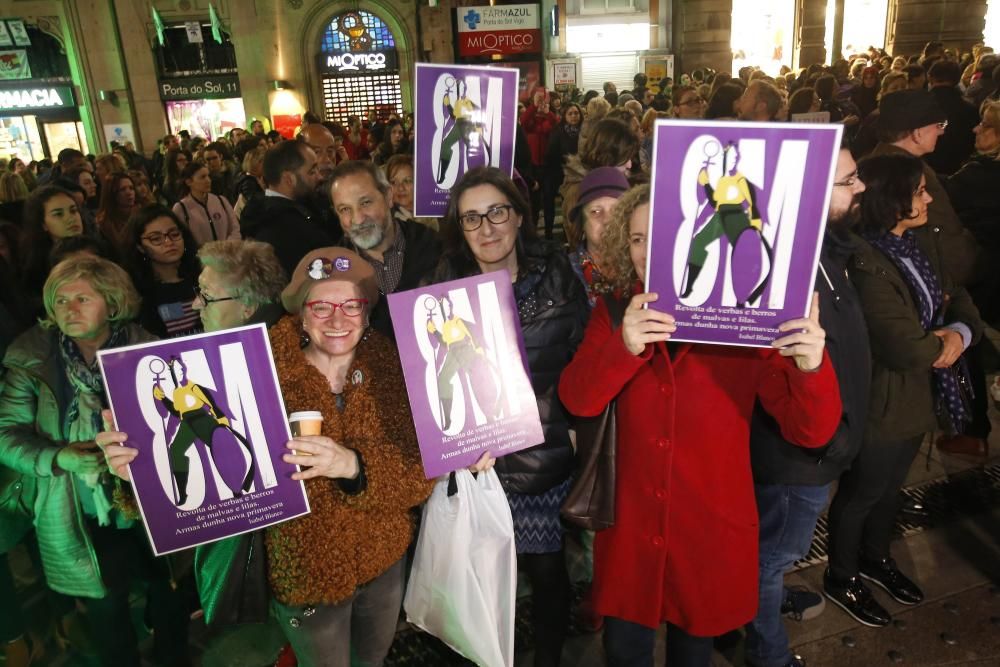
(864, 26)
(338, 38)
(762, 34)
(179, 57)
(355, 95)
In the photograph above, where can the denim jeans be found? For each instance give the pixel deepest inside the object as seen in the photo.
(788, 517)
(628, 644)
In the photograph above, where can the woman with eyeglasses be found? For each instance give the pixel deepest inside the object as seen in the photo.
(164, 268)
(399, 173)
(688, 103)
(488, 228)
(336, 574)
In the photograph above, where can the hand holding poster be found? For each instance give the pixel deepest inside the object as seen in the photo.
(466, 376)
(206, 414)
(737, 218)
(466, 117)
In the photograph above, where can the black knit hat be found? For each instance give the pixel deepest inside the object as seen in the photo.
(906, 110)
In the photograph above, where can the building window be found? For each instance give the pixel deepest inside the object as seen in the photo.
(180, 57)
(355, 95)
(338, 38)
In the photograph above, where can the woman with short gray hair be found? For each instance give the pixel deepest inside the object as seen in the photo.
(240, 283)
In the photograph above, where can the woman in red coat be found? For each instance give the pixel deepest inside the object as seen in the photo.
(683, 549)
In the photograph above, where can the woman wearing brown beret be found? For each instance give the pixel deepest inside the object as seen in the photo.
(336, 574)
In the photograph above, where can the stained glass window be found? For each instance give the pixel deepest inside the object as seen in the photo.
(334, 40)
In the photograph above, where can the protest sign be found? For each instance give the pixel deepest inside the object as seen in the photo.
(206, 414)
(738, 212)
(466, 117)
(466, 375)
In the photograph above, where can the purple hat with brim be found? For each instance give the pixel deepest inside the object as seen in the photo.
(600, 182)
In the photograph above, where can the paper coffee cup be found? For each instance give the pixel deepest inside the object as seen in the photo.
(305, 423)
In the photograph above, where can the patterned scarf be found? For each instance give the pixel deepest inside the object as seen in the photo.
(947, 381)
(584, 266)
(83, 414)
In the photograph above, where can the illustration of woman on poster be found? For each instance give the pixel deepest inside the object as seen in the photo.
(462, 355)
(461, 127)
(734, 202)
(201, 417)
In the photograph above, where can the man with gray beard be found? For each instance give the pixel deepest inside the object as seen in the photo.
(401, 252)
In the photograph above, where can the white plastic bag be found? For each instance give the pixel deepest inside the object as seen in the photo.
(464, 576)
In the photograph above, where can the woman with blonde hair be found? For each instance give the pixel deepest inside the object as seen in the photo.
(683, 418)
(50, 414)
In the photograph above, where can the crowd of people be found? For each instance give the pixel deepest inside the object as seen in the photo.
(726, 456)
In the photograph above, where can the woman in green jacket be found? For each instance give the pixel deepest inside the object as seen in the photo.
(919, 323)
(50, 412)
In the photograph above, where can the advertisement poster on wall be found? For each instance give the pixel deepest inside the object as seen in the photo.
(737, 216)
(466, 117)
(498, 30)
(466, 375)
(206, 414)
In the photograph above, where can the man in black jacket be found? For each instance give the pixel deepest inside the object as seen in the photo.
(283, 217)
(792, 484)
(957, 143)
(401, 252)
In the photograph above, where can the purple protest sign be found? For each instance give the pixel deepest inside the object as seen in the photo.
(466, 376)
(466, 117)
(206, 414)
(737, 218)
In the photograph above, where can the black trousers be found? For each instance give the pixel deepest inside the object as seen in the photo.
(550, 603)
(863, 512)
(124, 555)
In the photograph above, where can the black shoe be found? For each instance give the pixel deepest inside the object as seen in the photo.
(801, 604)
(887, 575)
(796, 661)
(854, 597)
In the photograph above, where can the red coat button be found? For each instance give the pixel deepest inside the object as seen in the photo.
(657, 541)
(661, 494)
(663, 443)
(666, 389)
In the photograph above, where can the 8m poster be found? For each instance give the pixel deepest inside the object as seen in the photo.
(738, 212)
(466, 117)
(206, 414)
(466, 376)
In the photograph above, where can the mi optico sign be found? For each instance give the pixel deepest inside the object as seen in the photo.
(500, 29)
(350, 62)
(35, 99)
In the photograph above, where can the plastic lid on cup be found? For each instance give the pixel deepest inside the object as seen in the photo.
(305, 416)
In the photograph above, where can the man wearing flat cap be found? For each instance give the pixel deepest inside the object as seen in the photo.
(910, 123)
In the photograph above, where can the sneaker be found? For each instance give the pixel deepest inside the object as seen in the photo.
(802, 604)
(887, 575)
(854, 597)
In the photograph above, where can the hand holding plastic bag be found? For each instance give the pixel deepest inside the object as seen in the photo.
(462, 586)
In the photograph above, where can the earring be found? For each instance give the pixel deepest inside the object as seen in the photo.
(304, 339)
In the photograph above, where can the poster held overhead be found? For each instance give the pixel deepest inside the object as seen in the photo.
(466, 117)
(738, 215)
(466, 375)
(206, 414)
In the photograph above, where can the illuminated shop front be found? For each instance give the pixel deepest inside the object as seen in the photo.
(39, 115)
(207, 106)
(198, 82)
(762, 34)
(358, 67)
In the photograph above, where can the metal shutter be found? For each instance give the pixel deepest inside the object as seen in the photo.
(616, 67)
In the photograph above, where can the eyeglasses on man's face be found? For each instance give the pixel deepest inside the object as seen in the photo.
(848, 181)
(496, 215)
(157, 238)
(323, 310)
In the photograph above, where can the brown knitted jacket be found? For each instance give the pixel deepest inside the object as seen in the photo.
(346, 541)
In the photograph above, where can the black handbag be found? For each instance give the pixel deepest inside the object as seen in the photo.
(232, 580)
(591, 500)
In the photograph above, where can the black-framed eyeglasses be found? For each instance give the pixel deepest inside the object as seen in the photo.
(943, 125)
(157, 238)
(497, 215)
(322, 310)
(207, 300)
